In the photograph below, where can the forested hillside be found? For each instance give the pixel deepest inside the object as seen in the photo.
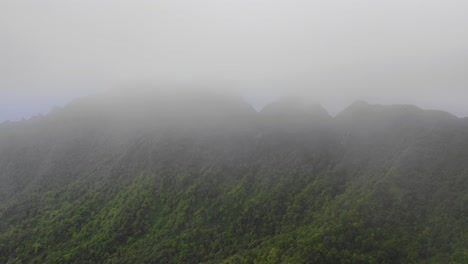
(207, 179)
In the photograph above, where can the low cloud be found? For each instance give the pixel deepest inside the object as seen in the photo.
(332, 52)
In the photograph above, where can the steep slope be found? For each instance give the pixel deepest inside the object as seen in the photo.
(205, 179)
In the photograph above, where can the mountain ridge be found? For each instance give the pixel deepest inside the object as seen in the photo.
(222, 183)
(148, 95)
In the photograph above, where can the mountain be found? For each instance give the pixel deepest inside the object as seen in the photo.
(203, 178)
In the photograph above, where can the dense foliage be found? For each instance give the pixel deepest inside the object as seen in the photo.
(372, 185)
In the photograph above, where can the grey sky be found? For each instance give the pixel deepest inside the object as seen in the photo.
(332, 51)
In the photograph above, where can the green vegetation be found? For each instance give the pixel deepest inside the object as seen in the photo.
(263, 217)
(346, 192)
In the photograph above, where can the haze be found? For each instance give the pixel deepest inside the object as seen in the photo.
(332, 52)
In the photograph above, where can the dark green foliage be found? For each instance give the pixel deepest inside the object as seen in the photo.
(341, 192)
(298, 218)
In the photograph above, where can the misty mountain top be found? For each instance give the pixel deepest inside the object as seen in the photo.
(117, 120)
(146, 103)
(140, 175)
(361, 107)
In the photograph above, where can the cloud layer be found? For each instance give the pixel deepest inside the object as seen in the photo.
(401, 51)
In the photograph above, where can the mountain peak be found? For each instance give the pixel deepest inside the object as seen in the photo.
(361, 109)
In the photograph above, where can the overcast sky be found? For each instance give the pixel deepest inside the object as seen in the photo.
(330, 51)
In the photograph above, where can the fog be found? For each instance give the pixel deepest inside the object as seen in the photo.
(332, 52)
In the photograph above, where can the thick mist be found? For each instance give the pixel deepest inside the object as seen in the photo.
(332, 52)
(233, 131)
